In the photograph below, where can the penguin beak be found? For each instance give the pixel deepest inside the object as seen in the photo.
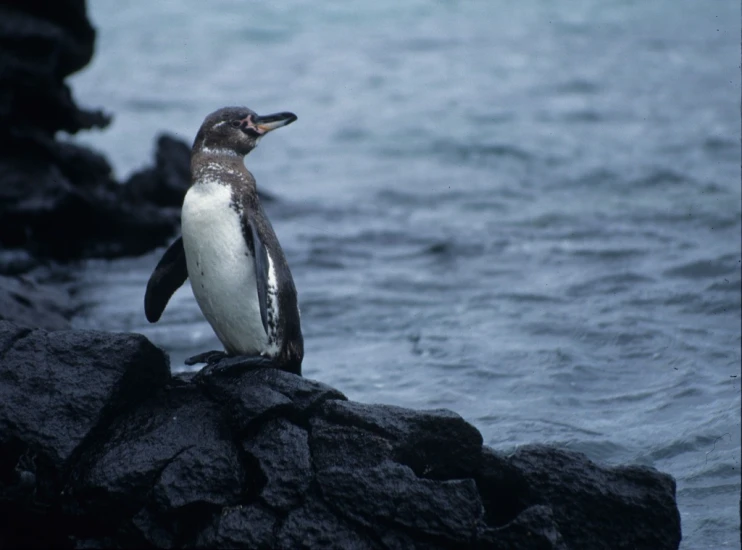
(267, 123)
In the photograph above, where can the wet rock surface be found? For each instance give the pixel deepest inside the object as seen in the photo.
(101, 447)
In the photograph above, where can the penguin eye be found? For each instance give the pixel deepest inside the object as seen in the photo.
(236, 123)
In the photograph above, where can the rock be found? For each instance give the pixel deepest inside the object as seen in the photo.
(59, 200)
(57, 391)
(282, 451)
(49, 208)
(435, 444)
(100, 447)
(44, 43)
(170, 455)
(391, 494)
(166, 183)
(347, 446)
(241, 527)
(600, 507)
(262, 394)
(58, 387)
(29, 304)
(504, 489)
(314, 526)
(534, 527)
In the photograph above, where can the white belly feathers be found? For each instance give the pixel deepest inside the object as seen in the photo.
(222, 271)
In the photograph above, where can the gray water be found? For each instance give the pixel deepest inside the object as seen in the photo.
(525, 212)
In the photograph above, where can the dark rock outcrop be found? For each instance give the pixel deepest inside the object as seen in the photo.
(42, 43)
(29, 304)
(57, 391)
(59, 200)
(101, 447)
(166, 183)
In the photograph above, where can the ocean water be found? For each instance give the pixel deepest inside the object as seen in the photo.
(528, 213)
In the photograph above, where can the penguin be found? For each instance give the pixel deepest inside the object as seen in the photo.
(229, 251)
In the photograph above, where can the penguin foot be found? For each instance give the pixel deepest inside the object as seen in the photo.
(233, 366)
(208, 357)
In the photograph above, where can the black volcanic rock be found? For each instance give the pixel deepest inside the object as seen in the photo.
(59, 200)
(101, 447)
(30, 304)
(166, 183)
(434, 444)
(59, 387)
(57, 391)
(534, 527)
(160, 470)
(582, 495)
(315, 526)
(282, 450)
(42, 43)
(262, 394)
(391, 495)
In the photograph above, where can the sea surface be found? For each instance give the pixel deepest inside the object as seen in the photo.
(526, 212)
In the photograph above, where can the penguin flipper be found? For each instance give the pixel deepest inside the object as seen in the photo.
(170, 273)
(260, 255)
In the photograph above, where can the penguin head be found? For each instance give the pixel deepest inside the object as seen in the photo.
(237, 130)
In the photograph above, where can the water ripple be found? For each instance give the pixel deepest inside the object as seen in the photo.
(703, 269)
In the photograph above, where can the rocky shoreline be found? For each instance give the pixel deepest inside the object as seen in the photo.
(101, 446)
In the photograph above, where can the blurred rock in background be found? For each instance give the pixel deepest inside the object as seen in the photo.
(59, 200)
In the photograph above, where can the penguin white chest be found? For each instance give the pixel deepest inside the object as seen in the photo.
(222, 269)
